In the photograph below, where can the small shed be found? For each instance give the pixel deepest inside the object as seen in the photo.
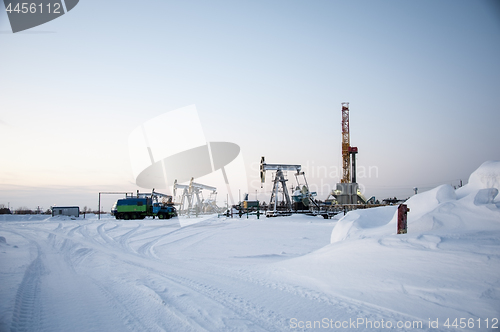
(66, 211)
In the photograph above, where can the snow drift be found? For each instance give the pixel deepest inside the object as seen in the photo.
(487, 176)
(446, 267)
(441, 207)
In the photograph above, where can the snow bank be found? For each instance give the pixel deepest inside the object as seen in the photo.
(440, 208)
(24, 217)
(48, 218)
(485, 177)
(446, 266)
(381, 221)
(362, 223)
(428, 201)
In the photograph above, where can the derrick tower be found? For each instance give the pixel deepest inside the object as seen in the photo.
(346, 144)
(347, 191)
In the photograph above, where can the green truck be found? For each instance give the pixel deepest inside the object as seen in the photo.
(144, 205)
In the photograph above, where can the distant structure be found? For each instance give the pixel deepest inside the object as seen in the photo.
(285, 206)
(346, 145)
(302, 197)
(347, 191)
(73, 211)
(193, 195)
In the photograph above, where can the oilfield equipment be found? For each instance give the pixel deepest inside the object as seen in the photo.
(192, 194)
(301, 196)
(347, 192)
(143, 205)
(303, 199)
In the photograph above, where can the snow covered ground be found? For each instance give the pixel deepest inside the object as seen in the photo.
(277, 274)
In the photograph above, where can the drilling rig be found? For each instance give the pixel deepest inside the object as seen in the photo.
(347, 191)
(347, 149)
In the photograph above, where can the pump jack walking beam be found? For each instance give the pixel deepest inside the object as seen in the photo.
(278, 179)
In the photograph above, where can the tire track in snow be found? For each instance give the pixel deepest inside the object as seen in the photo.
(196, 298)
(180, 317)
(189, 240)
(243, 311)
(353, 307)
(78, 228)
(203, 299)
(161, 316)
(124, 239)
(73, 230)
(296, 292)
(104, 235)
(59, 227)
(84, 231)
(51, 285)
(119, 241)
(199, 306)
(147, 248)
(27, 312)
(266, 320)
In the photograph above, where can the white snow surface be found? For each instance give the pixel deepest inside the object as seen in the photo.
(270, 274)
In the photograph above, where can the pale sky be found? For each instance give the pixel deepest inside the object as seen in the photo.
(422, 79)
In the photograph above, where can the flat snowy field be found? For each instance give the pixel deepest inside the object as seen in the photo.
(271, 274)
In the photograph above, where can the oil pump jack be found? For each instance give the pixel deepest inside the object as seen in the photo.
(285, 206)
(193, 192)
